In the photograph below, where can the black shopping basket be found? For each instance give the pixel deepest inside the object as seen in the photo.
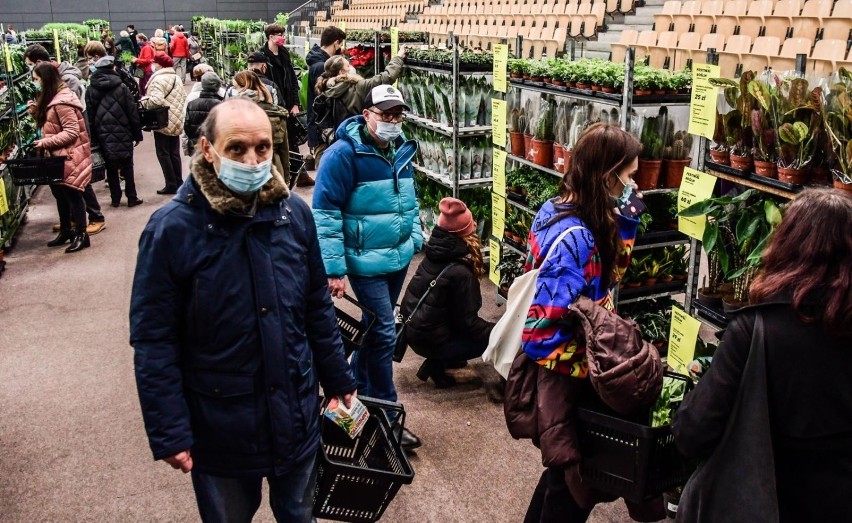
(32, 168)
(629, 459)
(358, 478)
(353, 331)
(155, 118)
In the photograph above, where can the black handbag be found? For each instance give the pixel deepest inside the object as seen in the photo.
(401, 323)
(98, 165)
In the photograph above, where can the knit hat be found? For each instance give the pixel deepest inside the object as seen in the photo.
(210, 82)
(456, 217)
(163, 60)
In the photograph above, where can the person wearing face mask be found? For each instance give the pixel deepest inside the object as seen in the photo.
(368, 223)
(233, 328)
(258, 64)
(332, 42)
(166, 90)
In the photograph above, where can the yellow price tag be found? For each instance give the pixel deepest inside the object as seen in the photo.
(682, 339)
(56, 44)
(702, 111)
(498, 171)
(342, 26)
(307, 45)
(4, 203)
(501, 63)
(498, 215)
(493, 261)
(8, 59)
(394, 36)
(498, 122)
(695, 187)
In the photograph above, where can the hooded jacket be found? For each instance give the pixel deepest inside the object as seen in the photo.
(64, 134)
(451, 309)
(365, 206)
(233, 328)
(179, 46)
(197, 111)
(352, 91)
(316, 65)
(280, 71)
(72, 77)
(146, 56)
(113, 117)
(166, 89)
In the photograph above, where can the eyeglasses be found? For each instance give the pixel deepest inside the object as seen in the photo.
(389, 117)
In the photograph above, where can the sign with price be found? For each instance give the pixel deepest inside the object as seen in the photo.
(498, 215)
(498, 171)
(56, 45)
(493, 261)
(4, 203)
(702, 109)
(394, 34)
(501, 63)
(498, 122)
(695, 187)
(683, 336)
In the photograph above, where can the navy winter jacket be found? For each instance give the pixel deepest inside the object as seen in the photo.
(233, 327)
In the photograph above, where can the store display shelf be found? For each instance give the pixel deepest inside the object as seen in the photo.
(658, 239)
(534, 165)
(513, 249)
(599, 96)
(519, 205)
(630, 295)
(448, 68)
(709, 316)
(658, 191)
(446, 130)
(751, 180)
(446, 181)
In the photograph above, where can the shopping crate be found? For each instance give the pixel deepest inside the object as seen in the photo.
(31, 168)
(627, 458)
(353, 331)
(297, 163)
(358, 478)
(154, 118)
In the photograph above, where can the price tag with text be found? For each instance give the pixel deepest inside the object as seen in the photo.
(683, 336)
(498, 122)
(695, 187)
(394, 35)
(501, 63)
(4, 203)
(494, 261)
(498, 171)
(702, 110)
(56, 44)
(498, 215)
(8, 58)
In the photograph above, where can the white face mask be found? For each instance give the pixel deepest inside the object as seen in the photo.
(388, 132)
(240, 177)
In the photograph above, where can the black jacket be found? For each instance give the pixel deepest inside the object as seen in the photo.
(280, 70)
(810, 409)
(112, 115)
(452, 308)
(197, 111)
(316, 65)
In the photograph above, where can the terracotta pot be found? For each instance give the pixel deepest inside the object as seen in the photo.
(525, 77)
(572, 84)
(527, 146)
(659, 92)
(766, 169)
(583, 86)
(666, 279)
(542, 152)
(720, 157)
(648, 175)
(547, 80)
(515, 75)
(596, 87)
(650, 281)
(799, 176)
(743, 163)
(535, 79)
(846, 187)
(671, 91)
(558, 157)
(559, 83)
(633, 284)
(674, 171)
(516, 140)
(642, 92)
(610, 90)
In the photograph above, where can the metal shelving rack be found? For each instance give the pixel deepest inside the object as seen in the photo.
(17, 197)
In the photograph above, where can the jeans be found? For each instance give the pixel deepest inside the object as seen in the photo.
(113, 167)
(552, 501)
(180, 69)
(93, 206)
(372, 365)
(71, 207)
(235, 500)
(168, 154)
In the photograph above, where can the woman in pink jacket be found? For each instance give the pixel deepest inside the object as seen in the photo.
(59, 114)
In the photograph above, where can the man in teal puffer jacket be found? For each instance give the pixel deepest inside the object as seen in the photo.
(368, 225)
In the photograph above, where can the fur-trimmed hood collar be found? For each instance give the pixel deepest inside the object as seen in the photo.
(339, 85)
(225, 201)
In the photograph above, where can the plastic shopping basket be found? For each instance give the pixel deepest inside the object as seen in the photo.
(358, 478)
(353, 331)
(31, 168)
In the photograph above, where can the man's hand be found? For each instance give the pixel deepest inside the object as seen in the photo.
(401, 52)
(181, 460)
(347, 398)
(336, 287)
(294, 110)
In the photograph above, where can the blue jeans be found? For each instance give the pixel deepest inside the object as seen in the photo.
(235, 500)
(373, 363)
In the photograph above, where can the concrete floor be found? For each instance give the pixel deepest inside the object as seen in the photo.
(72, 443)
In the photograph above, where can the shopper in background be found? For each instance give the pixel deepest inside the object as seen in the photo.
(59, 115)
(160, 45)
(108, 41)
(11, 35)
(446, 328)
(588, 261)
(785, 423)
(144, 61)
(124, 44)
(115, 127)
(369, 228)
(258, 64)
(195, 55)
(132, 32)
(166, 90)
(332, 42)
(198, 109)
(179, 50)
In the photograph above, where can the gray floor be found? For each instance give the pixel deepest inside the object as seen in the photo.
(72, 444)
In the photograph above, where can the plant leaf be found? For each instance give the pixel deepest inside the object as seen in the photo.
(711, 236)
(701, 208)
(772, 212)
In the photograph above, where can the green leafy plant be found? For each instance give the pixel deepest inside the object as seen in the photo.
(544, 129)
(652, 135)
(837, 115)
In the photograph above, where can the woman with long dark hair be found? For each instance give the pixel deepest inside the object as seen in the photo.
(801, 306)
(446, 329)
(59, 114)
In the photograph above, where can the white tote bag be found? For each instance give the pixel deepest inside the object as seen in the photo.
(505, 340)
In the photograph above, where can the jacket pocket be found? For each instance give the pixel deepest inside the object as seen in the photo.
(223, 411)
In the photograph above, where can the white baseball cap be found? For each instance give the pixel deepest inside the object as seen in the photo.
(385, 97)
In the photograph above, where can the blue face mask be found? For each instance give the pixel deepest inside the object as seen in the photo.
(241, 178)
(92, 68)
(625, 193)
(37, 85)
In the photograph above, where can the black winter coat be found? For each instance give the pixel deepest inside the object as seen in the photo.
(197, 111)
(112, 115)
(280, 70)
(316, 65)
(451, 309)
(810, 408)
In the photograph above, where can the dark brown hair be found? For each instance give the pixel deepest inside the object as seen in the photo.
(272, 29)
(94, 49)
(51, 83)
(810, 255)
(331, 69)
(602, 151)
(249, 80)
(330, 35)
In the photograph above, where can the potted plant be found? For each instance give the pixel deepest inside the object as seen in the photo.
(542, 144)
(537, 71)
(560, 136)
(798, 117)
(529, 127)
(516, 67)
(643, 80)
(650, 159)
(517, 122)
(676, 157)
(510, 267)
(583, 75)
(763, 130)
(837, 109)
(736, 123)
